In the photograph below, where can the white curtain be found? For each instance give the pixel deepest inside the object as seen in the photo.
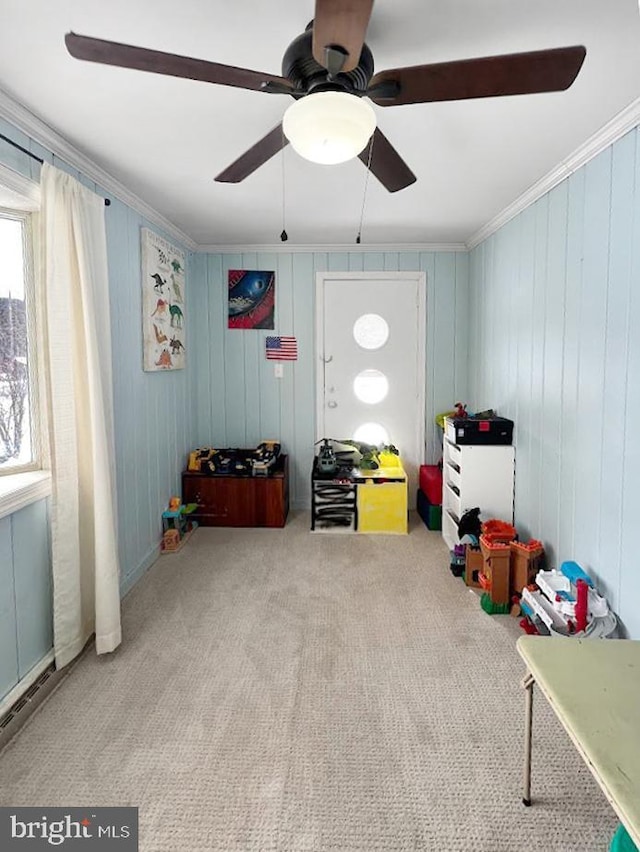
(77, 365)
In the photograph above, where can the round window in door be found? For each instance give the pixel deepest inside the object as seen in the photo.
(371, 331)
(371, 386)
(371, 433)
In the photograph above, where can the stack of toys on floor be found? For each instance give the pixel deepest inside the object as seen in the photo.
(513, 578)
(177, 525)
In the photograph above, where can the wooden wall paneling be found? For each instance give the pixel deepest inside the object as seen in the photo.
(569, 460)
(338, 261)
(391, 261)
(287, 414)
(524, 331)
(475, 301)
(304, 394)
(409, 261)
(373, 261)
(591, 359)
(10, 156)
(433, 445)
(234, 369)
(537, 362)
(199, 352)
(41, 152)
(116, 229)
(616, 376)
(462, 328)
(253, 341)
(216, 381)
(356, 261)
(444, 344)
(551, 435)
(8, 634)
(629, 592)
(271, 389)
(32, 578)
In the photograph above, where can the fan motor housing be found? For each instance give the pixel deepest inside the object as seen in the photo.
(307, 75)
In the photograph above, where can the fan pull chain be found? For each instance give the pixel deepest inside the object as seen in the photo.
(283, 236)
(364, 196)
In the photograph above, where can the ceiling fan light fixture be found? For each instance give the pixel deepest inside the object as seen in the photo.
(329, 127)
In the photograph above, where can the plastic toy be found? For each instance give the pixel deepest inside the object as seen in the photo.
(461, 409)
(327, 462)
(565, 603)
(177, 525)
(265, 457)
(170, 541)
(458, 560)
(492, 608)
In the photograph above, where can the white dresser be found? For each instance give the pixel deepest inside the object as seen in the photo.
(475, 475)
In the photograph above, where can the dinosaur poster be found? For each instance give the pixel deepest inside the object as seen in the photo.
(163, 304)
(251, 298)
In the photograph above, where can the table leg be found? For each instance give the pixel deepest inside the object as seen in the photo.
(527, 684)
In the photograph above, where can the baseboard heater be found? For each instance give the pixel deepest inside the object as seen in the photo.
(26, 703)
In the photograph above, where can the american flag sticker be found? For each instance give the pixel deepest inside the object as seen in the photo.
(281, 349)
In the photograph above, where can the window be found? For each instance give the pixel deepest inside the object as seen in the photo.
(19, 445)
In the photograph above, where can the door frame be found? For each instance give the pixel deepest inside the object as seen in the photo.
(419, 278)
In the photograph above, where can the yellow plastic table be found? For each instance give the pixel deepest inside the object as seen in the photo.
(593, 686)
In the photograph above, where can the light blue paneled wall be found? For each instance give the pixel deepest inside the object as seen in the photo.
(26, 629)
(152, 411)
(237, 399)
(555, 345)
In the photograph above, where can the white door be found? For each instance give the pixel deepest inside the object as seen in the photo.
(371, 361)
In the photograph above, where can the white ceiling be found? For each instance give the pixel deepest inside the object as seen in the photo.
(165, 139)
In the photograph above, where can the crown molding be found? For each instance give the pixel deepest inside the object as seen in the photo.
(622, 123)
(351, 248)
(40, 132)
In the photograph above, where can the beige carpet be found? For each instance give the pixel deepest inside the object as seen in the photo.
(280, 691)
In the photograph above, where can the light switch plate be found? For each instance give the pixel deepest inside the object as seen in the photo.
(278, 371)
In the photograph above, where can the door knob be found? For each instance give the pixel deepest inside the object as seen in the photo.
(332, 404)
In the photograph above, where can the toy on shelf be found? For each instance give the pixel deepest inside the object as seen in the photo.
(177, 525)
(265, 457)
(461, 410)
(566, 603)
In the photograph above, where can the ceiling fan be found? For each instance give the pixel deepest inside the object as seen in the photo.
(329, 67)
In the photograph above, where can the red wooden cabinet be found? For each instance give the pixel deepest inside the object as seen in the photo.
(239, 501)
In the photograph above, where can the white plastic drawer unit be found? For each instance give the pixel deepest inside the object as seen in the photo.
(476, 475)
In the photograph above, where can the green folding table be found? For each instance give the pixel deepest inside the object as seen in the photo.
(593, 686)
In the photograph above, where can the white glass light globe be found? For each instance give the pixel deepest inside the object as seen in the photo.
(329, 127)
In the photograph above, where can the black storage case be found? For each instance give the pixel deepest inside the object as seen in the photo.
(479, 430)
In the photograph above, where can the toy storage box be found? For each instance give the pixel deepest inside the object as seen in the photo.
(431, 484)
(477, 430)
(431, 514)
(382, 507)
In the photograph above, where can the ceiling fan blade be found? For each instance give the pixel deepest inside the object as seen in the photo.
(386, 164)
(255, 157)
(512, 74)
(127, 56)
(341, 23)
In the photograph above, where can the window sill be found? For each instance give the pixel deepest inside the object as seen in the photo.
(18, 490)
